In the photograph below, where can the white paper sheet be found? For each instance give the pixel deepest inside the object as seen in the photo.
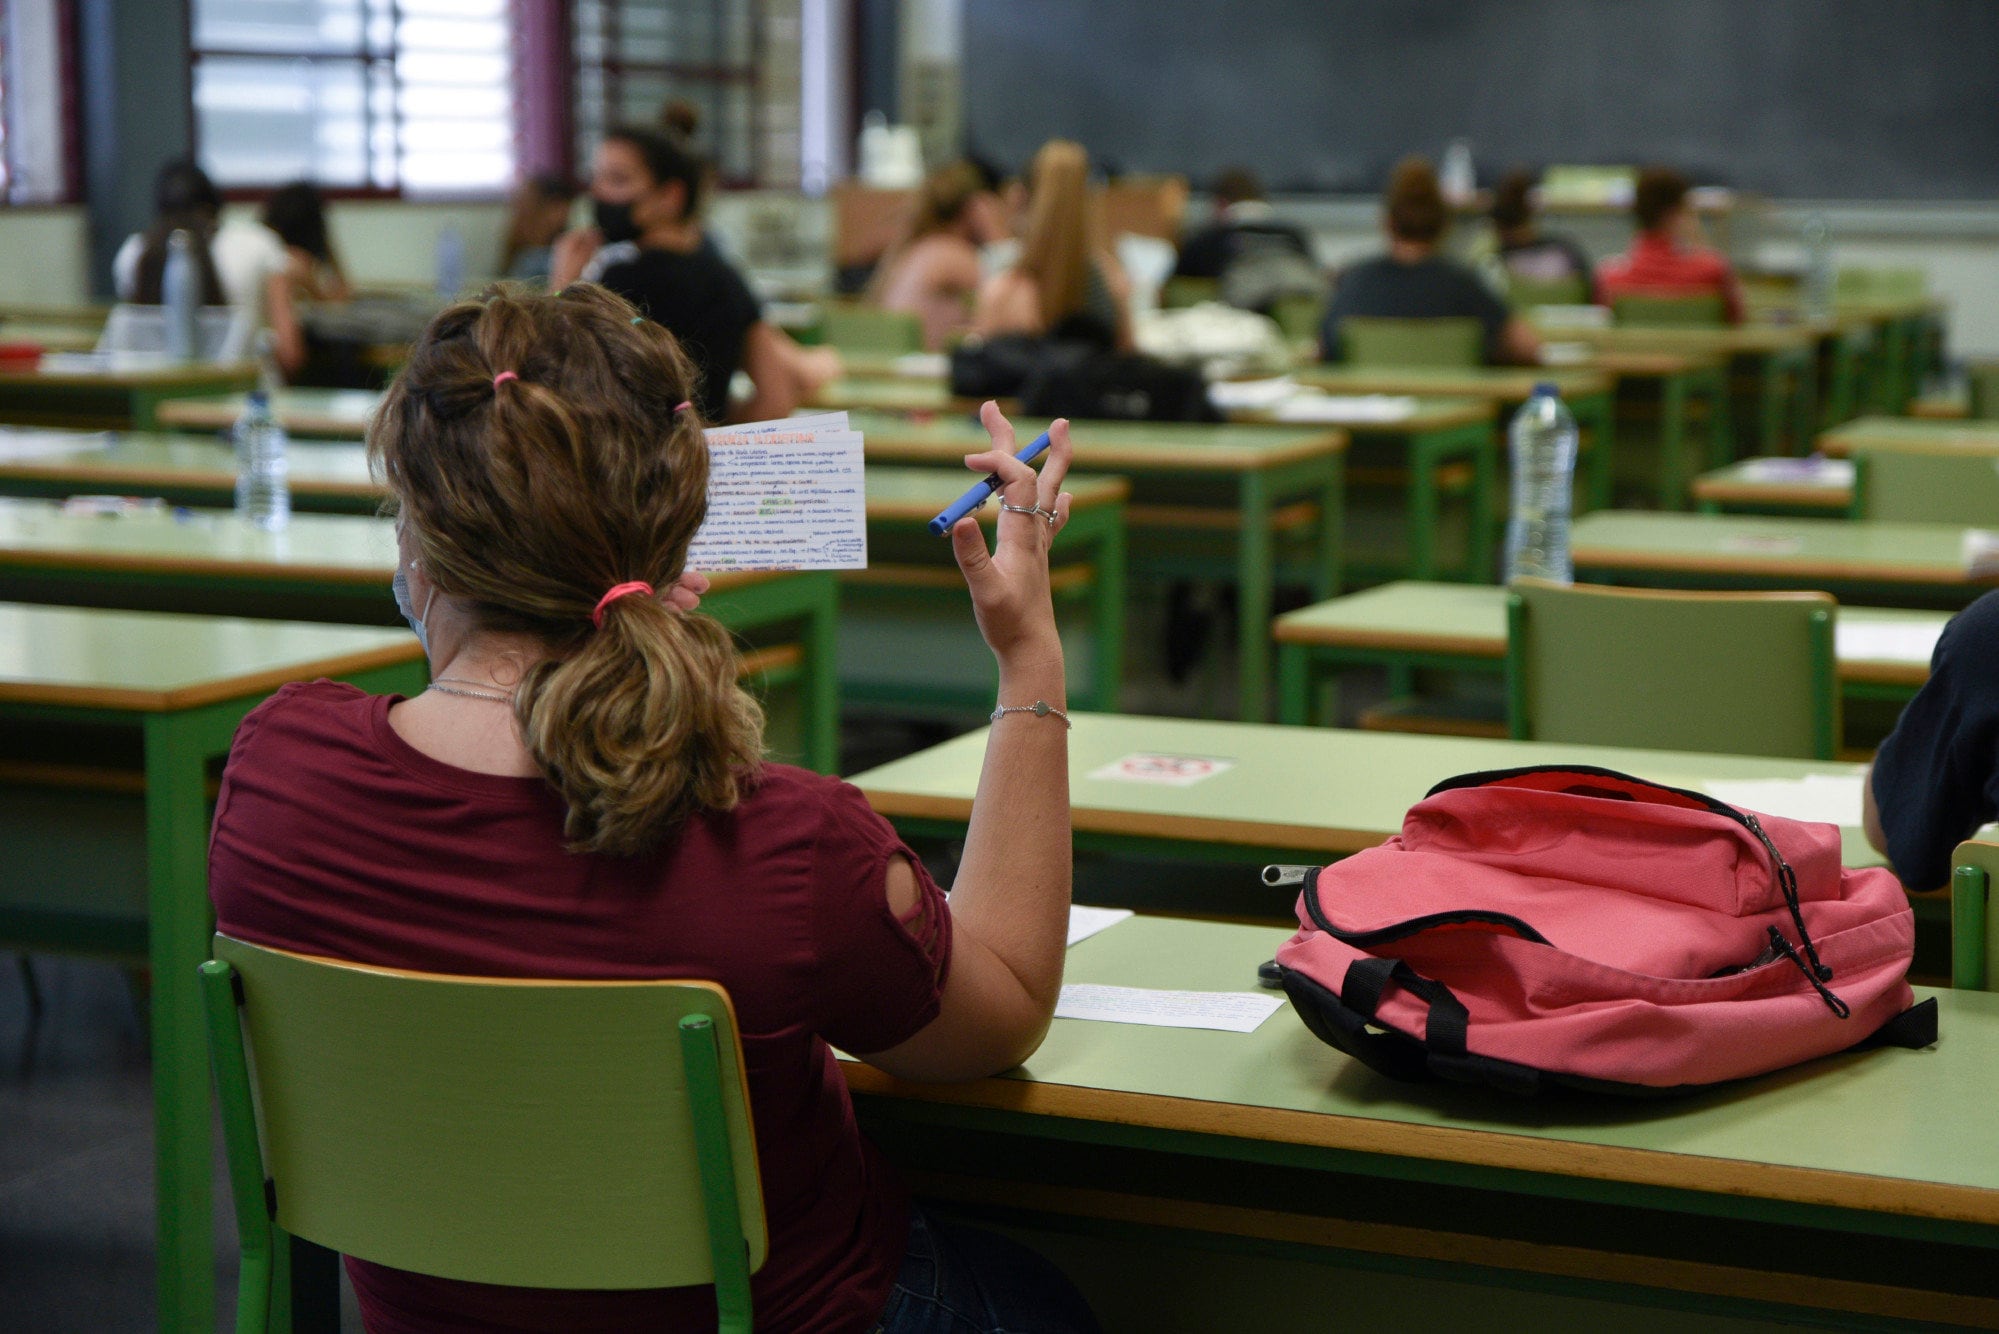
(1229, 1011)
(1887, 641)
(1164, 770)
(1980, 552)
(1085, 921)
(20, 446)
(1815, 470)
(1252, 395)
(784, 495)
(1345, 408)
(923, 365)
(1831, 798)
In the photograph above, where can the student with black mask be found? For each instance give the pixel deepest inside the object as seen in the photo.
(648, 246)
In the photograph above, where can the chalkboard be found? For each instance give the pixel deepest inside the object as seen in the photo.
(1830, 99)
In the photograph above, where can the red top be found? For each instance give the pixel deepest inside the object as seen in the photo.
(1658, 266)
(334, 836)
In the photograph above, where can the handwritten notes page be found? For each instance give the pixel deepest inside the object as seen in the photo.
(1229, 1011)
(784, 495)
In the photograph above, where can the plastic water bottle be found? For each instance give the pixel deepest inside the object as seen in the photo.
(180, 300)
(263, 487)
(1542, 444)
(1456, 177)
(450, 264)
(1818, 267)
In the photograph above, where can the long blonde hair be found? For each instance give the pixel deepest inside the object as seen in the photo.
(1061, 240)
(528, 497)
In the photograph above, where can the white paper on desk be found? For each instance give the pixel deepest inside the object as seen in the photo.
(1229, 1011)
(923, 365)
(787, 495)
(1981, 551)
(1085, 921)
(1829, 798)
(20, 446)
(1252, 395)
(1345, 408)
(1815, 468)
(1887, 641)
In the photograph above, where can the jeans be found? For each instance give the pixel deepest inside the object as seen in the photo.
(965, 1280)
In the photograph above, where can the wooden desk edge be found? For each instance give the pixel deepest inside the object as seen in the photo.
(1405, 641)
(211, 691)
(1750, 564)
(1146, 824)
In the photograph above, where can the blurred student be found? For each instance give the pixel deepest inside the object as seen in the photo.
(536, 215)
(296, 215)
(1935, 780)
(1523, 252)
(933, 272)
(1666, 257)
(242, 264)
(1414, 281)
(1243, 222)
(1066, 282)
(648, 247)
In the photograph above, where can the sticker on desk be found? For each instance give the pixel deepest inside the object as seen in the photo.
(1165, 770)
(1761, 544)
(1085, 921)
(1228, 1011)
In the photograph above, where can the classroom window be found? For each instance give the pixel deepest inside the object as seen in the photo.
(736, 61)
(37, 102)
(407, 96)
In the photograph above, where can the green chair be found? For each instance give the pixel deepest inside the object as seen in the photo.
(853, 327)
(1983, 378)
(1706, 310)
(1299, 316)
(1734, 673)
(1451, 343)
(1973, 866)
(526, 1132)
(1177, 293)
(1527, 293)
(1921, 486)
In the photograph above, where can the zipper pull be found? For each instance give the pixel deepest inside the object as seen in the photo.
(1813, 974)
(1279, 877)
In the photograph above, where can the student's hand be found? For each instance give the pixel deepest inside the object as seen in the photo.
(1010, 597)
(570, 253)
(684, 593)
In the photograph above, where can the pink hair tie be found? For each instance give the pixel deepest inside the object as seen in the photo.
(683, 406)
(503, 377)
(615, 592)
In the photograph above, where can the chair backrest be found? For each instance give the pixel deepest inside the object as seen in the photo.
(1880, 284)
(1983, 379)
(1736, 673)
(1298, 315)
(1175, 293)
(1974, 866)
(223, 332)
(1926, 486)
(1528, 293)
(538, 1133)
(853, 327)
(1703, 309)
(1450, 342)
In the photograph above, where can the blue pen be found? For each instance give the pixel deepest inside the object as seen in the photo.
(982, 491)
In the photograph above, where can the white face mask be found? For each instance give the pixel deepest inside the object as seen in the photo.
(400, 586)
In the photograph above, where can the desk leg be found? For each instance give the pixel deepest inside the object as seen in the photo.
(1294, 684)
(1423, 462)
(1254, 577)
(1673, 441)
(1597, 413)
(1770, 382)
(822, 676)
(1804, 408)
(1107, 611)
(177, 900)
(1482, 557)
(1328, 573)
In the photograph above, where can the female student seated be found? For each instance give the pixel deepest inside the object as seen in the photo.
(537, 214)
(933, 272)
(296, 215)
(581, 794)
(1414, 281)
(1666, 257)
(1066, 282)
(648, 247)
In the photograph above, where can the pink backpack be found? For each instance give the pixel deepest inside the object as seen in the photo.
(1580, 927)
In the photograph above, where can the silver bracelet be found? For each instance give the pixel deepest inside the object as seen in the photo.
(1041, 708)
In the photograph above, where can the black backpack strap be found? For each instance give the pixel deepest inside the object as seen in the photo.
(1915, 1028)
(1367, 980)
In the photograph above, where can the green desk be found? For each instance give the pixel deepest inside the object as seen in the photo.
(1858, 561)
(179, 685)
(1293, 793)
(889, 393)
(1813, 486)
(1409, 626)
(337, 568)
(333, 414)
(327, 476)
(1681, 381)
(1589, 395)
(1855, 1192)
(79, 389)
(1916, 433)
(1782, 359)
(1087, 563)
(1246, 486)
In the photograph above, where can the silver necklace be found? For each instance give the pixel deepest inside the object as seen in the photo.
(438, 684)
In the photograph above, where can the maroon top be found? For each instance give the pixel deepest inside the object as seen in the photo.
(334, 836)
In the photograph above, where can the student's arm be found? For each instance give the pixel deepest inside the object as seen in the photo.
(1119, 284)
(1010, 903)
(287, 333)
(1870, 813)
(572, 251)
(1518, 342)
(783, 373)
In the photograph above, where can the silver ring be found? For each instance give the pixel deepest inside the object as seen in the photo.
(1049, 515)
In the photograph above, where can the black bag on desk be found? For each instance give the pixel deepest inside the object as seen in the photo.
(998, 367)
(1118, 386)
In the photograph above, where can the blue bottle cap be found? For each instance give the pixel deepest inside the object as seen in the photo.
(1547, 387)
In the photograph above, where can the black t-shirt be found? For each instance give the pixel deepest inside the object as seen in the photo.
(1209, 252)
(1548, 258)
(1936, 777)
(1433, 288)
(702, 301)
